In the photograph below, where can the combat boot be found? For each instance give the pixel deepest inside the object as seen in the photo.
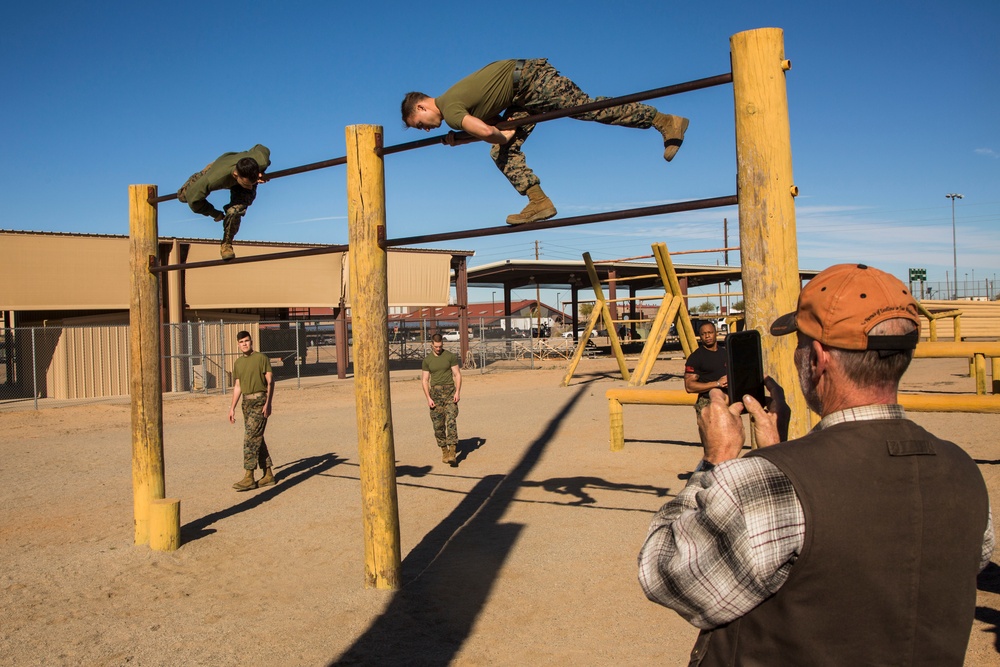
(539, 208)
(449, 456)
(444, 454)
(230, 225)
(267, 479)
(246, 483)
(672, 128)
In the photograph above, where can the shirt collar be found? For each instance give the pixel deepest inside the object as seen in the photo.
(862, 413)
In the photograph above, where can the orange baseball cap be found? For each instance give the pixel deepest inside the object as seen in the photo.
(842, 303)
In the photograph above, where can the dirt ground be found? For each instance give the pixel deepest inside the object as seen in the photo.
(525, 554)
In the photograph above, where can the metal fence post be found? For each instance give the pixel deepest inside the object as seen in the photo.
(204, 357)
(222, 352)
(34, 369)
(298, 356)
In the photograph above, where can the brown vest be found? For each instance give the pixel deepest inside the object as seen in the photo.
(887, 575)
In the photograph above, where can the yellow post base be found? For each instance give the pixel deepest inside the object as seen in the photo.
(165, 524)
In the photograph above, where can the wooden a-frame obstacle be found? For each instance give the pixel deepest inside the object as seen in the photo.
(765, 195)
(672, 310)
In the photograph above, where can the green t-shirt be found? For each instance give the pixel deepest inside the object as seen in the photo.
(249, 369)
(439, 366)
(483, 94)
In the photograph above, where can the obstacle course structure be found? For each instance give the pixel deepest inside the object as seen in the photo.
(765, 193)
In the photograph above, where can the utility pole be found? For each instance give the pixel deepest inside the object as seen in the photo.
(538, 297)
(954, 246)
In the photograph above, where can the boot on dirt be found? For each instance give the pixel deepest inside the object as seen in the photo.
(539, 208)
(449, 456)
(672, 128)
(246, 483)
(444, 454)
(267, 479)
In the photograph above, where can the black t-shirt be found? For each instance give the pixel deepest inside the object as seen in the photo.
(708, 366)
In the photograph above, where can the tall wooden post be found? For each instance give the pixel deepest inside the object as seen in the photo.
(369, 318)
(766, 194)
(144, 361)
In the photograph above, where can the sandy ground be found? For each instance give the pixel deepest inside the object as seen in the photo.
(523, 554)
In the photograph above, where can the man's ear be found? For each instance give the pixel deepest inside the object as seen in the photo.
(819, 358)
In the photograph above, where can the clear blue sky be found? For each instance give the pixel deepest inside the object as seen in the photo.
(893, 104)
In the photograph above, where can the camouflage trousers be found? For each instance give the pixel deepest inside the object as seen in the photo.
(701, 404)
(444, 416)
(239, 200)
(540, 89)
(255, 454)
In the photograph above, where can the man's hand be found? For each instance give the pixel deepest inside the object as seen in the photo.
(266, 410)
(721, 428)
(770, 424)
(508, 135)
(232, 417)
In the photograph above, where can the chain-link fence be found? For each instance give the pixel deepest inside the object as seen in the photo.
(91, 362)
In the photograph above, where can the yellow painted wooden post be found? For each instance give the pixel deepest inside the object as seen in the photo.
(144, 359)
(685, 330)
(165, 524)
(617, 425)
(369, 318)
(995, 373)
(766, 191)
(595, 283)
(979, 372)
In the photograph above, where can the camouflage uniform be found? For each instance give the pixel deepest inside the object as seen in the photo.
(541, 88)
(255, 454)
(444, 415)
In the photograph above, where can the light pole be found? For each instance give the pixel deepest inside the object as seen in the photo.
(493, 305)
(954, 246)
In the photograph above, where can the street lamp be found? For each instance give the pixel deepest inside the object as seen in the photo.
(493, 305)
(954, 247)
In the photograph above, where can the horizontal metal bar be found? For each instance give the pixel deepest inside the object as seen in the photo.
(554, 223)
(275, 174)
(464, 138)
(154, 267)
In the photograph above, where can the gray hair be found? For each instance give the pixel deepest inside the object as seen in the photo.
(874, 368)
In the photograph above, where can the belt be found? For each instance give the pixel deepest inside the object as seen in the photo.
(516, 77)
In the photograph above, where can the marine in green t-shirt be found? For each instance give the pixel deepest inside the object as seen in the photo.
(441, 381)
(253, 382)
(511, 90)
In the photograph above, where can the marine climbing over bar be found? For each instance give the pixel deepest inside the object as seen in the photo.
(237, 172)
(509, 90)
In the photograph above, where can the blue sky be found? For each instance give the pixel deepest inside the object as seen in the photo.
(892, 104)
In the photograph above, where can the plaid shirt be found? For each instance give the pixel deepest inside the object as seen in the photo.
(729, 539)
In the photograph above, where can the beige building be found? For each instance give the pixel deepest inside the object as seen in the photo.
(55, 287)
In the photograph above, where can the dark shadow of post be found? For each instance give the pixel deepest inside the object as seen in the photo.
(453, 570)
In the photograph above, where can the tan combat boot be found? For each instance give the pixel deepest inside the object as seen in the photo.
(672, 128)
(267, 479)
(539, 208)
(246, 483)
(449, 456)
(230, 225)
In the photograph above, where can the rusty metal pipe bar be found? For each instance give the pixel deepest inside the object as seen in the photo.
(155, 267)
(464, 138)
(275, 174)
(693, 205)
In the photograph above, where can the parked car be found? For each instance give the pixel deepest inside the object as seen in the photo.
(579, 333)
(453, 336)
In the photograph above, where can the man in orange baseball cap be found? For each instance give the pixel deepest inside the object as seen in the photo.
(859, 542)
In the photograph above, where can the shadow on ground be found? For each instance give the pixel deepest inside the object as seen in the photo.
(286, 477)
(448, 576)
